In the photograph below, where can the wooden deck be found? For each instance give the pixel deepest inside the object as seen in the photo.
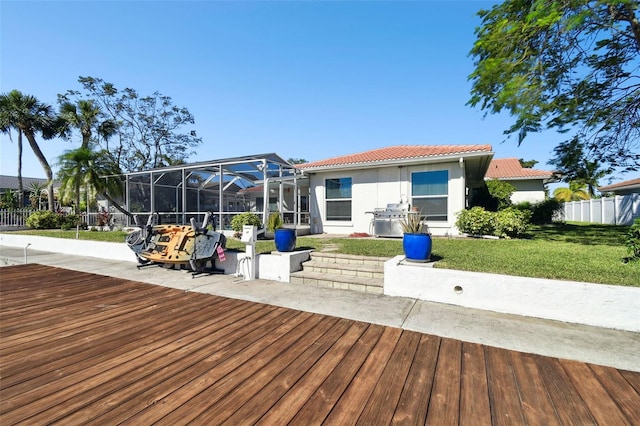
(80, 348)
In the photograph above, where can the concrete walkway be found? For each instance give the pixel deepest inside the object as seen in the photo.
(619, 349)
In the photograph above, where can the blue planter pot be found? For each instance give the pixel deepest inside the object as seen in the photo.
(285, 239)
(417, 247)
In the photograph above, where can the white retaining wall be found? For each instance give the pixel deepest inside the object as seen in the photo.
(276, 266)
(100, 249)
(569, 301)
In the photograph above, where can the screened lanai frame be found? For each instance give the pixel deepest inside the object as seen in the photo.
(177, 193)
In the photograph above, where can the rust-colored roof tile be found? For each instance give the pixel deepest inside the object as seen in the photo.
(510, 168)
(398, 152)
(618, 185)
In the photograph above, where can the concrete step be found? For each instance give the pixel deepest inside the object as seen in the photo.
(364, 271)
(348, 258)
(345, 282)
(347, 272)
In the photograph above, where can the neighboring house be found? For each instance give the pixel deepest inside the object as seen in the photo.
(10, 183)
(622, 188)
(345, 190)
(530, 184)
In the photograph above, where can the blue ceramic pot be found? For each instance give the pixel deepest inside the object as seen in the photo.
(417, 247)
(285, 239)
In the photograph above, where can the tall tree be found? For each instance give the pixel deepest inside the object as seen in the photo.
(148, 128)
(527, 164)
(575, 192)
(569, 65)
(572, 164)
(29, 116)
(86, 116)
(93, 171)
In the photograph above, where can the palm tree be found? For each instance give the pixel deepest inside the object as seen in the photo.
(94, 170)
(590, 174)
(28, 116)
(35, 194)
(85, 116)
(7, 116)
(575, 192)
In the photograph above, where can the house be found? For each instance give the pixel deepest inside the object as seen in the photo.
(29, 184)
(530, 184)
(344, 191)
(622, 188)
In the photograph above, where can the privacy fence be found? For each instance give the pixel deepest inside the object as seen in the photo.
(618, 210)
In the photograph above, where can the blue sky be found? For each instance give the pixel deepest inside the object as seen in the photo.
(302, 79)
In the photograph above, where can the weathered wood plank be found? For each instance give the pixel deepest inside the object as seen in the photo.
(444, 405)
(163, 375)
(383, 401)
(504, 398)
(474, 390)
(190, 400)
(537, 406)
(325, 349)
(299, 393)
(569, 406)
(97, 381)
(598, 401)
(414, 400)
(632, 378)
(620, 391)
(348, 408)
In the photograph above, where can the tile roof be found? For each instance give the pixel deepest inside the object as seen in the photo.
(398, 152)
(11, 182)
(633, 183)
(510, 168)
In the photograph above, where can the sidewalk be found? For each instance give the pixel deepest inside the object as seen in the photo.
(619, 349)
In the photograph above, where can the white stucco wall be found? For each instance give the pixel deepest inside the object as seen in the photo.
(527, 190)
(375, 188)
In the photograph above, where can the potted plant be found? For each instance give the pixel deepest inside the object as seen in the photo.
(285, 238)
(416, 239)
(242, 219)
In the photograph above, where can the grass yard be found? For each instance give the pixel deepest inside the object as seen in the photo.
(578, 252)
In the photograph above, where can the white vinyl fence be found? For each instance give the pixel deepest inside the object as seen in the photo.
(618, 210)
(16, 218)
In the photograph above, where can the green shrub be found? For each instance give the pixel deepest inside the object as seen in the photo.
(43, 219)
(633, 240)
(476, 221)
(543, 212)
(274, 222)
(242, 219)
(511, 223)
(69, 221)
(501, 192)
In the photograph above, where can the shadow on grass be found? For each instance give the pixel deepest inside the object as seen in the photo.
(587, 234)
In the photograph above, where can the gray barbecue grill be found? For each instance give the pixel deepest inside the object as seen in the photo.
(386, 222)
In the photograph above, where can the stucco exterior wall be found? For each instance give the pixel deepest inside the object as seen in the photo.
(375, 188)
(527, 190)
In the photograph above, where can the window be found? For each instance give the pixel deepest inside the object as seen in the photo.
(273, 204)
(338, 199)
(429, 193)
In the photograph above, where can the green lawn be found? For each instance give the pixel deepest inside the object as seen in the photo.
(579, 252)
